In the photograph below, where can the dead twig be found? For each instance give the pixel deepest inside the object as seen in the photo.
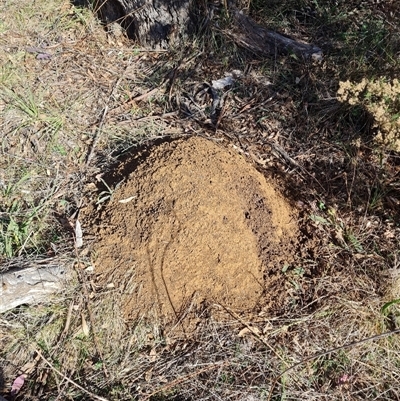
(96, 137)
(101, 123)
(68, 320)
(283, 154)
(251, 329)
(91, 318)
(89, 393)
(158, 116)
(185, 378)
(137, 99)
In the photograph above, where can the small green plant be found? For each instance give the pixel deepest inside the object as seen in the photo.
(21, 218)
(386, 307)
(341, 231)
(12, 235)
(19, 229)
(104, 195)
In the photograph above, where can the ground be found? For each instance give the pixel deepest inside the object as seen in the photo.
(97, 129)
(193, 224)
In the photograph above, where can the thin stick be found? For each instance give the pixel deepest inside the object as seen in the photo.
(350, 345)
(185, 378)
(254, 332)
(143, 97)
(91, 318)
(82, 280)
(226, 7)
(68, 320)
(133, 100)
(96, 397)
(97, 136)
(100, 127)
(62, 336)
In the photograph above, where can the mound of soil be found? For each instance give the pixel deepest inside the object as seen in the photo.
(193, 223)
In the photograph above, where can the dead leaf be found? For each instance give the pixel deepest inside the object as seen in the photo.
(249, 330)
(85, 327)
(268, 327)
(162, 379)
(153, 355)
(339, 236)
(91, 186)
(44, 56)
(29, 366)
(389, 234)
(17, 384)
(127, 199)
(78, 234)
(148, 375)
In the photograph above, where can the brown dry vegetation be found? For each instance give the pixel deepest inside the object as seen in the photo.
(75, 99)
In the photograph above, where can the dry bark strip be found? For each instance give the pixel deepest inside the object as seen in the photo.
(31, 285)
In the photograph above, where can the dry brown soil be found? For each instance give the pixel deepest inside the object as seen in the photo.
(194, 223)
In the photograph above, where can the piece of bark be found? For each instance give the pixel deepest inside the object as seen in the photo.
(248, 34)
(31, 285)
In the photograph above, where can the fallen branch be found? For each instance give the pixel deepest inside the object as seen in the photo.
(248, 34)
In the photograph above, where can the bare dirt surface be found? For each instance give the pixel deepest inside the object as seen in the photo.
(193, 224)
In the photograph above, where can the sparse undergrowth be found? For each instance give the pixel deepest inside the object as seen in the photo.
(73, 99)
